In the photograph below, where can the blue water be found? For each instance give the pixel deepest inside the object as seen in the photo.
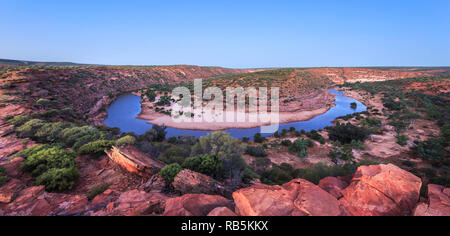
(123, 112)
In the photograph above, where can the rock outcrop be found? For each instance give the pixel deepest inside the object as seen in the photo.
(135, 161)
(34, 201)
(439, 202)
(296, 198)
(333, 185)
(222, 211)
(188, 181)
(136, 203)
(381, 190)
(195, 205)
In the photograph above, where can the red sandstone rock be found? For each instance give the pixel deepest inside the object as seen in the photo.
(222, 211)
(10, 190)
(439, 202)
(188, 181)
(13, 167)
(333, 185)
(195, 205)
(381, 190)
(156, 184)
(136, 203)
(296, 198)
(135, 161)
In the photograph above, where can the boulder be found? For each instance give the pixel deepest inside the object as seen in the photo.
(439, 202)
(333, 185)
(188, 181)
(381, 190)
(137, 203)
(222, 211)
(135, 161)
(296, 198)
(195, 205)
(155, 184)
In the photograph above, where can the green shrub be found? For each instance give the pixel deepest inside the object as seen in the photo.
(48, 158)
(346, 133)
(71, 135)
(343, 153)
(19, 120)
(57, 180)
(402, 140)
(313, 134)
(286, 143)
(95, 148)
(300, 147)
(169, 172)
(52, 166)
(175, 154)
(29, 129)
(126, 141)
(51, 132)
(258, 138)
(30, 151)
(156, 134)
(205, 164)
(97, 190)
(256, 151)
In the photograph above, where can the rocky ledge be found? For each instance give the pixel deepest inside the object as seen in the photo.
(378, 190)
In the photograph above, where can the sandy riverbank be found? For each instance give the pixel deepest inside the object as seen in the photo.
(289, 112)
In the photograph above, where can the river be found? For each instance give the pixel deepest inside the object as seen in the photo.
(123, 112)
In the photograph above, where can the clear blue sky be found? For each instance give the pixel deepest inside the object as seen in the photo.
(229, 33)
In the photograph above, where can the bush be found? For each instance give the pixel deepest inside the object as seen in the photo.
(286, 143)
(52, 166)
(30, 151)
(353, 105)
(156, 134)
(256, 151)
(431, 150)
(169, 172)
(175, 154)
(95, 148)
(57, 180)
(29, 129)
(19, 120)
(258, 138)
(313, 134)
(277, 175)
(42, 160)
(346, 133)
(97, 190)
(343, 153)
(205, 164)
(402, 140)
(300, 147)
(51, 132)
(126, 141)
(71, 135)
